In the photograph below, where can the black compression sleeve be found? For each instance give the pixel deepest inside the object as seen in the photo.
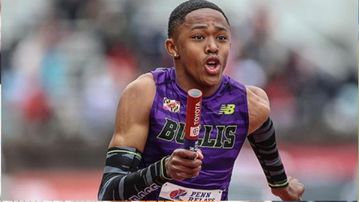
(264, 146)
(122, 179)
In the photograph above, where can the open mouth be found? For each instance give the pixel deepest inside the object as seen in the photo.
(212, 65)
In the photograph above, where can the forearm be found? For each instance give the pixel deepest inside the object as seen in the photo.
(264, 145)
(122, 180)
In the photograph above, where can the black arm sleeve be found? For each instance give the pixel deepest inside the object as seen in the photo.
(264, 145)
(122, 179)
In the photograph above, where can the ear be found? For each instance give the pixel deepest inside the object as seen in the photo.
(171, 48)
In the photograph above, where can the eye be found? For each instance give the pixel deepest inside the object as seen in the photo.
(197, 37)
(221, 37)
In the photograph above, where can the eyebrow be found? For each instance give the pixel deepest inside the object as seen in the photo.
(205, 26)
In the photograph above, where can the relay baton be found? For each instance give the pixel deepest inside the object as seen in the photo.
(193, 119)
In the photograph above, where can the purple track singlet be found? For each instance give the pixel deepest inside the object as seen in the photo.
(224, 126)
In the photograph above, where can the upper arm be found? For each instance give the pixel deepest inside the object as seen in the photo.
(133, 113)
(258, 107)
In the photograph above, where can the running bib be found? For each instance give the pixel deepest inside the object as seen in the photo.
(175, 192)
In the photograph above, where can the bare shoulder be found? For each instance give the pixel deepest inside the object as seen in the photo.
(257, 92)
(139, 91)
(133, 113)
(258, 107)
(143, 84)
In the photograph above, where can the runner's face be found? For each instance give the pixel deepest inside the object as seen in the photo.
(203, 43)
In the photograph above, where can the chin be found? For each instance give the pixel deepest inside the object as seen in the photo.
(212, 82)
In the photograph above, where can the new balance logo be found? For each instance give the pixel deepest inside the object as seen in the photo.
(227, 109)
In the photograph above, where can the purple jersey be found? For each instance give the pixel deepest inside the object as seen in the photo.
(224, 126)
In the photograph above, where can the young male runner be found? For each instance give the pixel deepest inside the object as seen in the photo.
(145, 160)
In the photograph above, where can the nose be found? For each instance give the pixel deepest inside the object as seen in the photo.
(212, 46)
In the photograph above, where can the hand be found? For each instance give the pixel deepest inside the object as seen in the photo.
(183, 164)
(293, 192)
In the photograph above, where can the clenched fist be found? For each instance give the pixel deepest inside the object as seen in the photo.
(293, 192)
(183, 164)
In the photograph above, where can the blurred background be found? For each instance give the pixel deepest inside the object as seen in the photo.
(66, 62)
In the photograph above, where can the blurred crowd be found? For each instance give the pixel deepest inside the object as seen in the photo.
(66, 62)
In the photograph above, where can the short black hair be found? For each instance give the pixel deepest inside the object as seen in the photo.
(179, 13)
